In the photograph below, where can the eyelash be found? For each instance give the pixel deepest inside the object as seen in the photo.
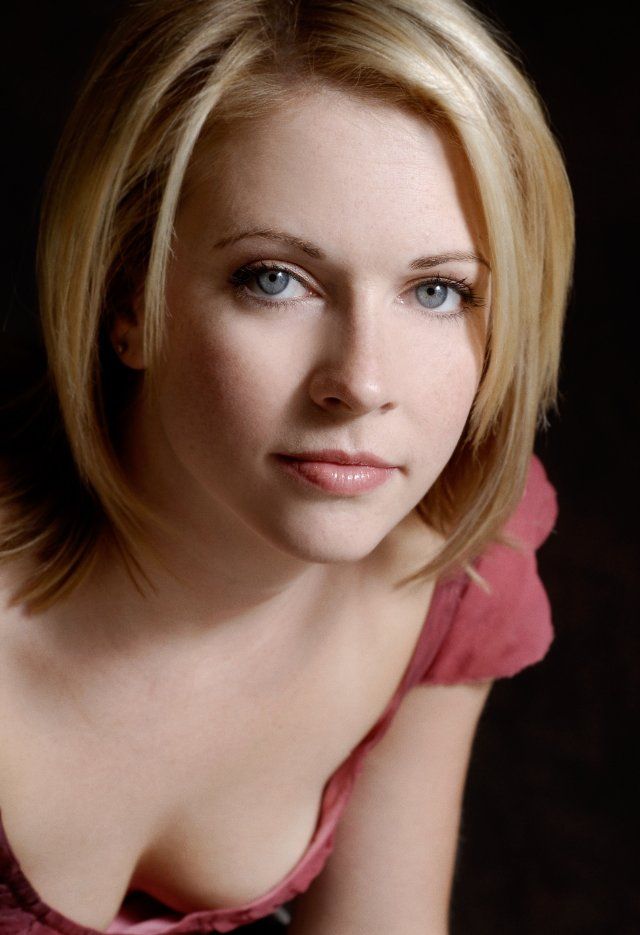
(470, 299)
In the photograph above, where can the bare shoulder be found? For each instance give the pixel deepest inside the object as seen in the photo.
(397, 840)
(14, 626)
(13, 569)
(13, 573)
(23, 660)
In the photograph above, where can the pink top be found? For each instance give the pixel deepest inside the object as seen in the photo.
(467, 635)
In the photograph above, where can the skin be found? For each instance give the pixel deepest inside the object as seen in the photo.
(125, 712)
(352, 360)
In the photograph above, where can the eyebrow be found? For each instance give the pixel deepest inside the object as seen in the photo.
(272, 233)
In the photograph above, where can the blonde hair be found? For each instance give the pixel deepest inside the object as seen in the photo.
(173, 71)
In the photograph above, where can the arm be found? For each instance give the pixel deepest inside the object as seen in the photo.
(391, 869)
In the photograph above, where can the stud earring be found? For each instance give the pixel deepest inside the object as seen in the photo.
(120, 347)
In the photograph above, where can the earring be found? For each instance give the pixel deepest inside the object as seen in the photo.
(120, 347)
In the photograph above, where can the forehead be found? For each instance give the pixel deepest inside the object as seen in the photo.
(331, 162)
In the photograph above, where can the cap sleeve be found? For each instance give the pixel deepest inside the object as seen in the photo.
(498, 634)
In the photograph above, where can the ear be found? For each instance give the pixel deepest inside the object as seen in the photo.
(127, 333)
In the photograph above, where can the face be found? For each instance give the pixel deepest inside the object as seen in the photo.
(327, 290)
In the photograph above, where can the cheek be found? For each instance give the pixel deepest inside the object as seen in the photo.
(220, 392)
(447, 387)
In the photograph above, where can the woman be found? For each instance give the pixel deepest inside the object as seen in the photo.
(303, 270)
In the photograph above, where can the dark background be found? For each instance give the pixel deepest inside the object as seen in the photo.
(548, 843)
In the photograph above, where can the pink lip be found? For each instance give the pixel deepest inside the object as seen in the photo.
(338, 456)
(341, 479)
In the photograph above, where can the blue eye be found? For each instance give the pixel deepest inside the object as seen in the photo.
(432, 295)
(272, 281)
(259, 282)
(448, 298)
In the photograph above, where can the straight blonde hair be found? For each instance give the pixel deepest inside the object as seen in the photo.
(174, 73)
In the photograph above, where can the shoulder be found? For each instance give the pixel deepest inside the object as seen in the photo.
(503, 623)
(397, 840)
(14, 571)
(537, 511)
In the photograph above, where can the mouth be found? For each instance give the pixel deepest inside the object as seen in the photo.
(338, 456)
(334, 477)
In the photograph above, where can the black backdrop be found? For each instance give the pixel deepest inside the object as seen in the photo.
(547, 837)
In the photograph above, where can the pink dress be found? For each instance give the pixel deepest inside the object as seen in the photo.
(467, 635)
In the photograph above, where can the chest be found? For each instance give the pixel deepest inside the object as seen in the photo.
(201, 788)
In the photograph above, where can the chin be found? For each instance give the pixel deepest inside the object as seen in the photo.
(330, 542)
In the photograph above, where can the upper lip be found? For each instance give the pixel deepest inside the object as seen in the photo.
(338, 456)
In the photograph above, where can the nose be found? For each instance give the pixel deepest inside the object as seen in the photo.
(355, 373)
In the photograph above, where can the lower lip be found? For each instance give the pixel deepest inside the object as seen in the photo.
(342, 479)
